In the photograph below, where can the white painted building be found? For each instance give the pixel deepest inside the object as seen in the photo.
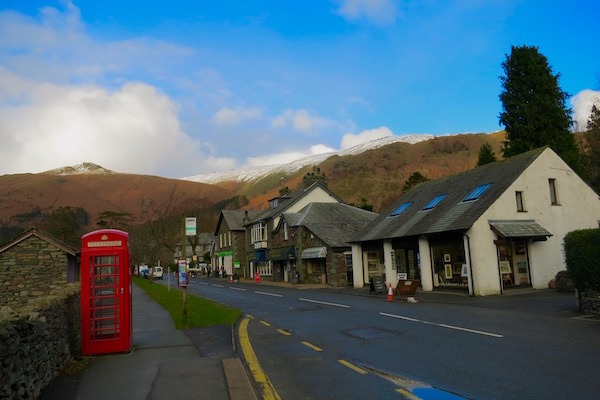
(495, 227)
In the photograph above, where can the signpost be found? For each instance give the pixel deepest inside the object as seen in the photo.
(190, 226)
(189, 229)
(377, 284)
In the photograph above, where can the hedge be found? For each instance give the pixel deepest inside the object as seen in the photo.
(582, 255)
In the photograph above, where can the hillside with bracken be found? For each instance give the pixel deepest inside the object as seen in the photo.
(376, 176)
(373, 176)
(26, 198)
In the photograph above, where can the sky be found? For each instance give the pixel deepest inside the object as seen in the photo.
(180, 88)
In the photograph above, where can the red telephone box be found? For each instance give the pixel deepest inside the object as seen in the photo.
(106, 320)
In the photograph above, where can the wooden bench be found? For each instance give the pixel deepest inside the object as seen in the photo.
(407, 289)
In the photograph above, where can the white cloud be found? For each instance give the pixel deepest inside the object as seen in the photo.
(133, 129)
(350, 139)
(300, 120)
(582, 107)
(230, 116)
(380, 12)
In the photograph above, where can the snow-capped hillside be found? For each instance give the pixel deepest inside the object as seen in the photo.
(248, 174)
(80, 169)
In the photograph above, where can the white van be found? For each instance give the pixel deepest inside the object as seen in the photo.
(157, 272)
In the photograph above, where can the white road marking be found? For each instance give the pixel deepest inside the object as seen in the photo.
(237, 288)
(443, 325)
(268, 294)
(324, 302)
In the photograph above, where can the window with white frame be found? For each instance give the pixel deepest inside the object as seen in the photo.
(265, 268)
(259, 232)
(285, 231)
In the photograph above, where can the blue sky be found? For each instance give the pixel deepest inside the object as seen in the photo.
(188, 87)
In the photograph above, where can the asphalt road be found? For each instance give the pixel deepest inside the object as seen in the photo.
(318, 344)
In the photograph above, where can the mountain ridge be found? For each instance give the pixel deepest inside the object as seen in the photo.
(371, 175)
(247, 174)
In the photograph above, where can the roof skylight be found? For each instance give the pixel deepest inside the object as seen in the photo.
(401, 209)
(434, 202)
(477, 192)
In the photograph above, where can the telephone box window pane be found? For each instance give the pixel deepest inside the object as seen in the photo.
(104, 299)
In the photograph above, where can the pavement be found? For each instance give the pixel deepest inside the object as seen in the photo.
(202, 363)
(165, 363)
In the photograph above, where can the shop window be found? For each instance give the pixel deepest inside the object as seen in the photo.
(265, 268)
(373, 262)
(348, 259)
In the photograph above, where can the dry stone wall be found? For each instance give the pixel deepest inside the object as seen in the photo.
(590, 302)
(37, 341)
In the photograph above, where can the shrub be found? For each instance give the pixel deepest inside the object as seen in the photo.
(562, 281)
(582, 254)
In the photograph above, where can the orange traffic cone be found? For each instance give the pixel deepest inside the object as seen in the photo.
(390, 296)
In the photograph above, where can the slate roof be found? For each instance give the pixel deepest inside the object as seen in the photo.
(235, 218)
(452, 213)
(287, 203)
(334, 223)
(42, 235)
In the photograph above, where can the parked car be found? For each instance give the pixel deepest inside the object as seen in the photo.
(144, 271)
(157, 272)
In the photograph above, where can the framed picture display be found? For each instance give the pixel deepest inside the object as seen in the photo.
(448, 271)
(465, 271)
(447, 258)
(505, 267)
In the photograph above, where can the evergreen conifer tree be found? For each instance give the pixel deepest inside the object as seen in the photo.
(486, 155)
(413, 179)
(591, 149)
(534, 111)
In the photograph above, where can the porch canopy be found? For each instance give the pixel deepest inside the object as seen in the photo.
(520, 229)
(314, 252)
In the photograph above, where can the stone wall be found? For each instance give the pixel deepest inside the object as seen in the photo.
(590, 302)
(37, 341)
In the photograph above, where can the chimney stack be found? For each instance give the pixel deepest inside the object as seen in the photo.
(315, 176)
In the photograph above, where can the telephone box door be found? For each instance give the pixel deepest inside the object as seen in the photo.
(105, 293)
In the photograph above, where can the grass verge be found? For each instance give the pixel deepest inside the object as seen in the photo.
(200, 312)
